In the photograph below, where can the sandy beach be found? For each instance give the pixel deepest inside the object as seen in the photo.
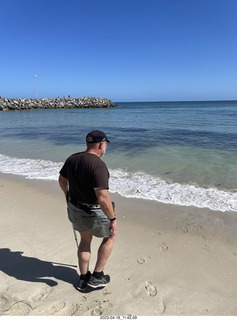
(168, 260)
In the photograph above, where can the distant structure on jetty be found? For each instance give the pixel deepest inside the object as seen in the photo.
(65, 103)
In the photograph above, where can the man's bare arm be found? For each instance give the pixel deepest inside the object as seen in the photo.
(105, 202)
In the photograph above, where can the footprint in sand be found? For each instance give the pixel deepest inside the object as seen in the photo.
(60, 308)
(97, 311)
(163, 247)
(152, 292)
(54, 308)
(190, 227)
(41, 294)
(157, 233)
(141, 260)
(99, 308)
(150, 289)
(147, 295)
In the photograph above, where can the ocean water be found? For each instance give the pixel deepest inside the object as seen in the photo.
(183, 153)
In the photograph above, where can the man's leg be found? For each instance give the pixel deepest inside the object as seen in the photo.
(84, 252)
(104, 252)
(98, 279)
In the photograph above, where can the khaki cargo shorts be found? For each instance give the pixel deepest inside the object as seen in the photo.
(96, 223)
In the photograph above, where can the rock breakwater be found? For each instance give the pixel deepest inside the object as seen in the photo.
(66, 103)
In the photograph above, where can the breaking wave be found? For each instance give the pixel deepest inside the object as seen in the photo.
(132, 185)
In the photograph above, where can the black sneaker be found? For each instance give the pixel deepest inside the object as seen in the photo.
(82, 283)
(98, 282)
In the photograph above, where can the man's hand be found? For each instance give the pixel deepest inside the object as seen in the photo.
(113, 227)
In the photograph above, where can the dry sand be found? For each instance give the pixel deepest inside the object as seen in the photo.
(167, 260)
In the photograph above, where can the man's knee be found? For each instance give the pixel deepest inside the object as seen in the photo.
(109, 239)
(85, 242)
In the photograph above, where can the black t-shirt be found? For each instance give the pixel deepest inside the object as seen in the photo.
(85, 172)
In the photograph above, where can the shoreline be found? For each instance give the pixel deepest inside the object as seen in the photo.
(170, 261)
(132, 185)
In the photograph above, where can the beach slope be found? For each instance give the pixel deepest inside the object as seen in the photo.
(167, 260)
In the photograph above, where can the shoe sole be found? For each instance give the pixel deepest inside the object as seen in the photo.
(81, 289)
(97, 286)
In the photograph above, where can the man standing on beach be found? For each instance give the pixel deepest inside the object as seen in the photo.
(84, 180)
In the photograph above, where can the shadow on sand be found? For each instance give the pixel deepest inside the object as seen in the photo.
(32, 269)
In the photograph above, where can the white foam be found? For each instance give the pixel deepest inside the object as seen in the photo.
(142, 185)
(132, 185)
(30, 168)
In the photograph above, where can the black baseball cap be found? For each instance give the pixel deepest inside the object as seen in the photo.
(96, 136)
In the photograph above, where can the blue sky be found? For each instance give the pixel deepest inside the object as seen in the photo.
(125, 50)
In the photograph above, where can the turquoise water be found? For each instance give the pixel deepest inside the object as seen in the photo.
(174, 152)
